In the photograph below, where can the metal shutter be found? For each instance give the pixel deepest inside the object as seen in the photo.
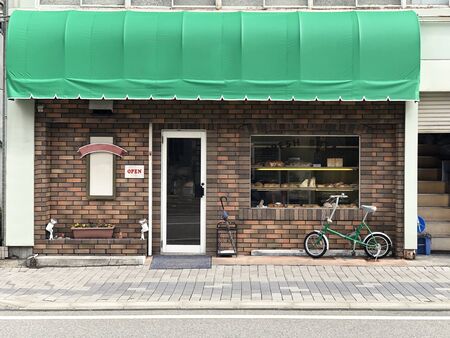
(434, 112)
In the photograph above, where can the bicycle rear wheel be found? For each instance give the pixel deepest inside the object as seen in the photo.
(377, 245)
(315, 244)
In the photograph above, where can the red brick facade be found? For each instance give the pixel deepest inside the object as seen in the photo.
(60, 181)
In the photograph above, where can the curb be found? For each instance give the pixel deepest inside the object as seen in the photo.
(37, 261)
(107, 306)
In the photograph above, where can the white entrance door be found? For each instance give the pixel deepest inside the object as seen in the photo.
(183, 191)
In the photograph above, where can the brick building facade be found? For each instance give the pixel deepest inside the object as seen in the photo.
(62, 126)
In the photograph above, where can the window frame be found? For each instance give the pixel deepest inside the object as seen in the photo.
(301, 135)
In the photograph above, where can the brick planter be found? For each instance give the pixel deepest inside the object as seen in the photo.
(101, 247)
(93, 233)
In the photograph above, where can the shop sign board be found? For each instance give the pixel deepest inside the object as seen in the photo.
(134, 171)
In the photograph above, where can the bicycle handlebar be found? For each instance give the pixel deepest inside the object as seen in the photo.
(335, 197)
(339, 196)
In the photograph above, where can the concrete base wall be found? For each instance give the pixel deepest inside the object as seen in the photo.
(20, 252)
(3, 252)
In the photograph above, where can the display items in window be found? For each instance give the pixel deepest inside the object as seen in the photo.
(302, 171)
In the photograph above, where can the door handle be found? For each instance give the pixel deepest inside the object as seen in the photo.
(200, 190)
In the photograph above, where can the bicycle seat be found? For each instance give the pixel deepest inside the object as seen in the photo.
(369, 208)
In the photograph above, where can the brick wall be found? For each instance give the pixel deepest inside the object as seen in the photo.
(132, 247)
(65, 125)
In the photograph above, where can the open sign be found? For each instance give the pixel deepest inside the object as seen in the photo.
(134, 171)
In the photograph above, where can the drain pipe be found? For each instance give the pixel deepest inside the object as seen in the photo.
(218, 4)
(4, 23)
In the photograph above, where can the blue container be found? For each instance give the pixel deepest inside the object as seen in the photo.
(424, 245)
(421, 225)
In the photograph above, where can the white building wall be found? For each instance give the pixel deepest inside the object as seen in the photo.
(19, 148)
(435, 54)
(2, 230)
(19, 217)
(24, 4)
(410, 191)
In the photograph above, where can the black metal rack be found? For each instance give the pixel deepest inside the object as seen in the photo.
(226, 234)
(226, 239)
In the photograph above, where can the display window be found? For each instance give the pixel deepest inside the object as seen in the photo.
(303, 171)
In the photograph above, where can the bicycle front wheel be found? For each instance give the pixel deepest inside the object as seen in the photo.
(315, 244)
(377, 245)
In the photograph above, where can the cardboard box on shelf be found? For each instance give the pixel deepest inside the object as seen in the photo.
(335, 162)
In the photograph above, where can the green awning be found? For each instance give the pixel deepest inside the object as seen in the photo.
(351, 55)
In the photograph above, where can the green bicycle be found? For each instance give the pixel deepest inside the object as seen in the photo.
(376, 244)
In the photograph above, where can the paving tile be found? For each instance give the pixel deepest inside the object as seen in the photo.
(249, 283)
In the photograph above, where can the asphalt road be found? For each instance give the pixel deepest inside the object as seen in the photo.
(224, 324)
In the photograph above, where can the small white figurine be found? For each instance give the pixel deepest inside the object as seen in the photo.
(261, 204)
(144, 227)
(50, 226)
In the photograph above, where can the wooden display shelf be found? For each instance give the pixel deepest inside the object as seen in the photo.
(304, 168)
(337, 189)
(270, 146)
(306, 189)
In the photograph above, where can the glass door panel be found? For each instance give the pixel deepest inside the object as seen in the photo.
(184, 191)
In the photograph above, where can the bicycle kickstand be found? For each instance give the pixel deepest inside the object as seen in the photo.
(378, 253)
(354, 248)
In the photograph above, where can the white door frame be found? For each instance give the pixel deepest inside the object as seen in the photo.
(150, 190)
(191, 249)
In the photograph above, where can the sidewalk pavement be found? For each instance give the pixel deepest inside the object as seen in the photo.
(239, 283)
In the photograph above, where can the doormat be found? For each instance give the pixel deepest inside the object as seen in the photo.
(181, 262)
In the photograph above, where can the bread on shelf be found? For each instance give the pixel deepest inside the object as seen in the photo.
(311, 206)
(274, 164)
(292, 206)
(276, 205)
(271, 185)
(297, 162)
